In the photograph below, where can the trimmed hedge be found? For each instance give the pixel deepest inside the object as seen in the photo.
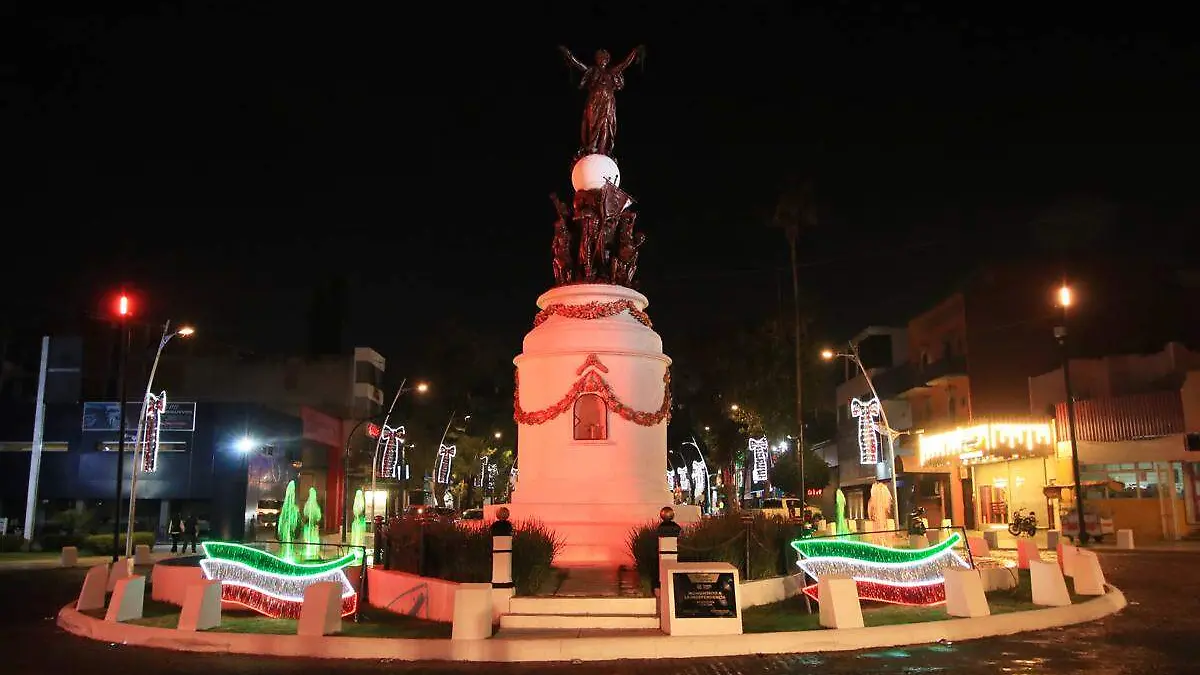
(101, 544)
(464, 554)
(722, 539)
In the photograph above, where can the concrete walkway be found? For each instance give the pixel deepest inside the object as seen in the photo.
(598, 582)
(52, 562)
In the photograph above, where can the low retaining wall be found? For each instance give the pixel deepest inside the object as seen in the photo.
(591, 648)
(168, 583)
(766, 591)
(411, 595)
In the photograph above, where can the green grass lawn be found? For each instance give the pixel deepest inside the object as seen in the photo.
(31, 555)
(791, 614)
(374, 623)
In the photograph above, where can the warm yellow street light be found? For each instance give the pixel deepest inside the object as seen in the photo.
(422, 387)
(707, 428)
(185, 331)
(497, 435)
(827, 354)
(734, 407)
(1064, 296)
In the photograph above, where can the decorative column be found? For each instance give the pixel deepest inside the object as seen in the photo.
(668, 541)
(503, 588)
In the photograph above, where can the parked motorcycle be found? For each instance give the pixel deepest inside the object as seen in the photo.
(916, 521)
(1023, 523)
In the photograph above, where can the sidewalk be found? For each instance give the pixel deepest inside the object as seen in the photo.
(1008, 542)
(44, 561)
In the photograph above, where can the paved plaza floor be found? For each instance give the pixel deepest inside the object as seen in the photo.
(1155, 634)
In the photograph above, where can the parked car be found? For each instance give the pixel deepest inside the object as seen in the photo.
(472, 514)
(787, 508)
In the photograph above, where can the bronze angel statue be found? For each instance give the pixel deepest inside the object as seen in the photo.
(602, 81)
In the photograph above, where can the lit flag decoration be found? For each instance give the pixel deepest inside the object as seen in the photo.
(758, 456)
(445, 458)
(671, 480)
(699, 472)
(269, 584)
(493, 472)
(868, 429)
(684, 484)
(152, 430)
(481, 477)
(391, 440)
(902, 576)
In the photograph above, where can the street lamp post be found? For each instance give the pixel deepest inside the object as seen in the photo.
(123, 310)
(139, 442)
(891, 433)
(420, 388)
(1060, 332)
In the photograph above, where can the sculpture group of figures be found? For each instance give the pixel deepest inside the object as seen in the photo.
(594, 238)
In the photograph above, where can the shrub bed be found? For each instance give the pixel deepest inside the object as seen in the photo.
(446, 550)
(102, 544)
(725, 540)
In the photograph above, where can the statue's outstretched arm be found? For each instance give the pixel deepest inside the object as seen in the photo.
(571, 60)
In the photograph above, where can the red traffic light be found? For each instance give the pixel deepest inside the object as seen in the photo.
(122, 306)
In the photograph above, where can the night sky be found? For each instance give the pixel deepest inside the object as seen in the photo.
(227, 159)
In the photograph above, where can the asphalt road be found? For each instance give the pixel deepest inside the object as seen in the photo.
(1158, 633)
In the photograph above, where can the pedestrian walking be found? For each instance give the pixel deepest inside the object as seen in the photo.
(190, 532)
(175, 530)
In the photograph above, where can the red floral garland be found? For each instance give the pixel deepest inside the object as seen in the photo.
(592, 383)
(593, 310)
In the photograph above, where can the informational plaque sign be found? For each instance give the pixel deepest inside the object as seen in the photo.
(699, 599)
(704, 595)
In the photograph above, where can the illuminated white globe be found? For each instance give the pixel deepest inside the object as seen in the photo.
(591, 171)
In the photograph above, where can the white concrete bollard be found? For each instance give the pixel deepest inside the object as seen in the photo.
(1088, 578)
(503, 589)
(964, 593)
(831, 528)
(851, 525)
(1052, 539)
(1027, 552)
(934, 537)
(837, 595)
(201, 606)
(1049, 586)
(865, 525)
(321, 612)
(141, 555)
(992, 537)
(1124, 538)
(891, 524)
(946, 524)
(95, 585)
(1067, 558)
(69, 556)
(918, 541)
(472, 612)
(119, 570)
(127, 598)
(978, 546)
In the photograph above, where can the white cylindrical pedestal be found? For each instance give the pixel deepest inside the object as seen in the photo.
(591, 478)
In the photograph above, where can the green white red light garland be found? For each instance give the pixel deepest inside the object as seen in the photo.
(883, 574)
(269, 584)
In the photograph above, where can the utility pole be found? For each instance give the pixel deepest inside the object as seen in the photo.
(39, 430)
(794, 210)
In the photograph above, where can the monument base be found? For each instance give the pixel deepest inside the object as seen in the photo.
(593, 534)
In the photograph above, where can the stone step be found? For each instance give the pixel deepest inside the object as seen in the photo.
(564, 606)
(578, 621)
